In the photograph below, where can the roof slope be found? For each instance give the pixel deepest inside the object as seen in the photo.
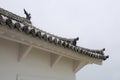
(23, 25)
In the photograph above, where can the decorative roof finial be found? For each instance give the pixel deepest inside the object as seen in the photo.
(28, 15)
(75, 41)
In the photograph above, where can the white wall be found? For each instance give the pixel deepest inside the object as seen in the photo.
(36, 66)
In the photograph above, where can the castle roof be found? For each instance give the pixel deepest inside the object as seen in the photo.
(23, 25)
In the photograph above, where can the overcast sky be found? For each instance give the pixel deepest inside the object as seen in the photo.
(95, 22)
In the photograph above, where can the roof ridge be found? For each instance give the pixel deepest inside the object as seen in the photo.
(14, 16)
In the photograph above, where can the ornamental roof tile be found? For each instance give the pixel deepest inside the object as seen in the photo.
(24, 25)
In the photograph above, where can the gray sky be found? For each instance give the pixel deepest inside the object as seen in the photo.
(96, 22)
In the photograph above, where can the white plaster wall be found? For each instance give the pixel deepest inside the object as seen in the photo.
(36, 66)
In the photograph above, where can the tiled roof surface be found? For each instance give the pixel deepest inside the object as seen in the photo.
(23, 25)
